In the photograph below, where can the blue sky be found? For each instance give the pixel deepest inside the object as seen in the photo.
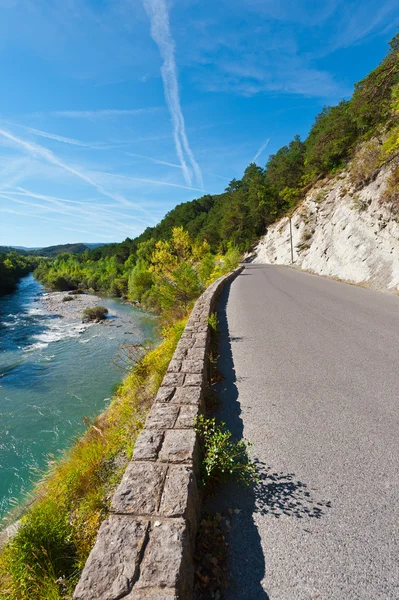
(114, 111)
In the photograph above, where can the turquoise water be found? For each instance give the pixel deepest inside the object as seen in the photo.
(53, 373)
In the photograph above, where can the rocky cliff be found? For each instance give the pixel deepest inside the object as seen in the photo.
(340, 231)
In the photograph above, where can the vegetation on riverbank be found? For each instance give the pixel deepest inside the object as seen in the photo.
(44, 560)
(13, 266)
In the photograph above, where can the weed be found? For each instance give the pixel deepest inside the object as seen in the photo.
(223, 458)
(358, 203)
(213, 322)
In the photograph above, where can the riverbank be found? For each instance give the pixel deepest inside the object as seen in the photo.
(55, 374)
(72, 500)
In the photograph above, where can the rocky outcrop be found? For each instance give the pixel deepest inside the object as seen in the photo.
(340, 232)
(145, 547)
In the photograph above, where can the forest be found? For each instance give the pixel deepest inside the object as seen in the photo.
(13, 266)
(194, 239)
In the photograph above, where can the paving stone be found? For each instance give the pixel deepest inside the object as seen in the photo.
(180, 445)
(147, 445)
(186, 416)
(193, 379)
(140, 490)
(188, 395)
(164, 565)
(173, 379)
(193, 366)
(174, 366)
(161, 416)
(113, 563)
(165, 394)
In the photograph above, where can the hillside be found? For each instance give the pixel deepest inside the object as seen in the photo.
(50, 251)
(341, 232)
(364, 130)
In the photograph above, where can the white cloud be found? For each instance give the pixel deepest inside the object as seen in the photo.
(151, 181)
(103, 114)
(261, 149)
(60, 138)
(47, 155)
(160, 31)
(155, 160)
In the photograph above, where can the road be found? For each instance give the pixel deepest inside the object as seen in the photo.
(311, 378)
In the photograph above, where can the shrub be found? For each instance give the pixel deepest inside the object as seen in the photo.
(390, 197)
(68, 298)
(366, 162)
(76, 292)
(59, 283)
(223, 458)
(97, 313)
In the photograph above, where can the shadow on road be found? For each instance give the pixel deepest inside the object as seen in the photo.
(247, 563)
(275, 494)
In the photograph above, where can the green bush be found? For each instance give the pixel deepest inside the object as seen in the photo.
(223, 458)
(68, 298)
(97, 313)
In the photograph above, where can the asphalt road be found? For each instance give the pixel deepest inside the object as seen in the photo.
(312, 380)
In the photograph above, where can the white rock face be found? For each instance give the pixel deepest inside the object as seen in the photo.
(339, 233)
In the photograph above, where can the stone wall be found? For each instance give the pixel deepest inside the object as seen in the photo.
(145, 547)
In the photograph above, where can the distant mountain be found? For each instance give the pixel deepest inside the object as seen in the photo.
(51, 251)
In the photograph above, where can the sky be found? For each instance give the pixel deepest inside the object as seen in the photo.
(112, 112)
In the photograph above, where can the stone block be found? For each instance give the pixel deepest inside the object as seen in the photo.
(180, 497)
(188, 395)
(197, 354)
(140, 490)
(193, 379)
(147, 445)
(165, 394)
(161, 416)
(113, 563)
(180, 353)
(174, 366)
(173, 379)
(193, 366)
(166, 562)
(180, 445)
(186, 416)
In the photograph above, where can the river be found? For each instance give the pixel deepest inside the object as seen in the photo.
(54, 372)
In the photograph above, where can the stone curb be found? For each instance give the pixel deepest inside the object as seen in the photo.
(144, 549)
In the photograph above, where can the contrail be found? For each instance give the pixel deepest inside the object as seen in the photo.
(36, 150)
(261, 149)
(160, 32)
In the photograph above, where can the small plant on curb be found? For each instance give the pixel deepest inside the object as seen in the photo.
(214, 373)
(213, 322)
(223, 459)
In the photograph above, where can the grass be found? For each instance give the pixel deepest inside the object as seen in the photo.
(44, 560)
